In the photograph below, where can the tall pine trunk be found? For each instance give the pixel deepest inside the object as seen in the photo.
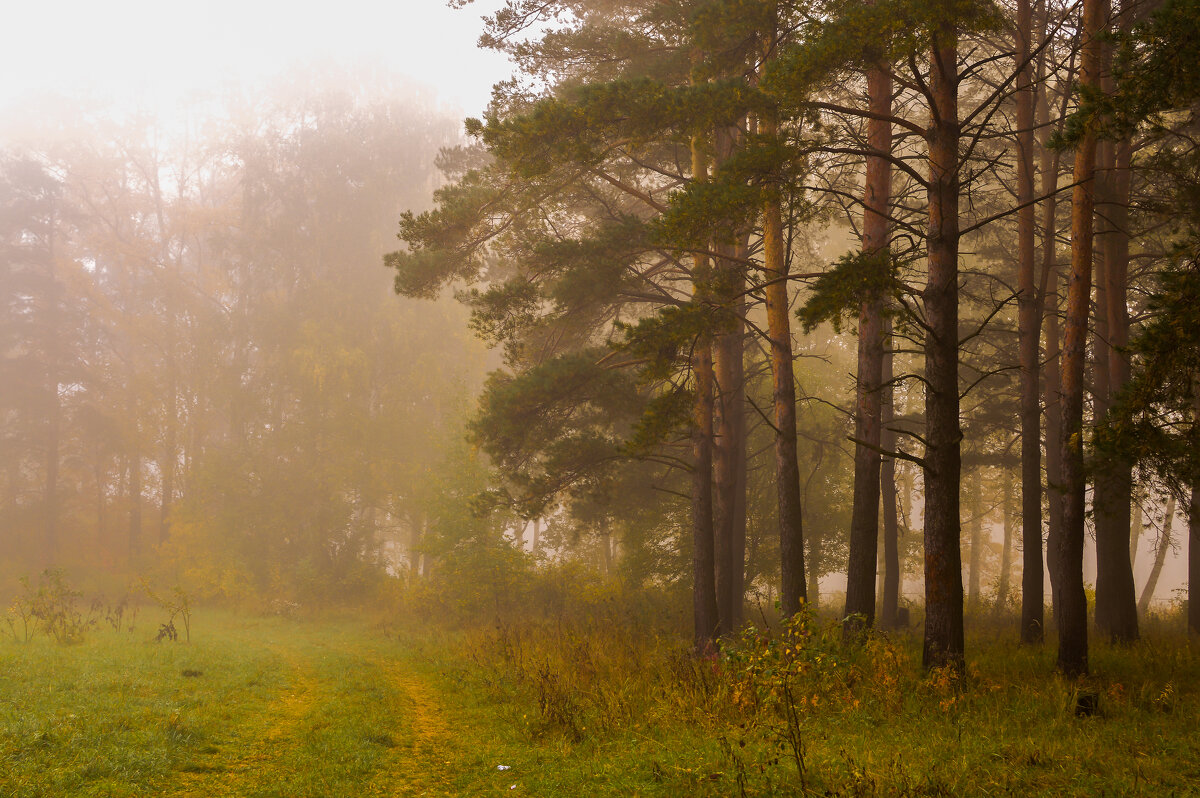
(975, 569)
(704, 588)
(1116, 606)
(864, 519)
(741, 460)
(729, 446)
(779, 329)
(1029, 323)
(1002, 585)
(1069, 593)
(943, 643)
(890, 600)
(1053, 437)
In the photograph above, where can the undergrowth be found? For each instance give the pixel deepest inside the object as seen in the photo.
(794, 710)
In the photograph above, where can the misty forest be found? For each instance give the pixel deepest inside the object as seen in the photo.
(761, 397)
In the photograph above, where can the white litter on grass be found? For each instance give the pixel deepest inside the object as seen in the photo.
(513, 787)
(503, 767)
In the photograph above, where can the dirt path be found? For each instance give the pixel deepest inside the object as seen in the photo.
(421, 765)
(396, 729)
(246, 759)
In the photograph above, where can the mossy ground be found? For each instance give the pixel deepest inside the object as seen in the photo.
(342, 707)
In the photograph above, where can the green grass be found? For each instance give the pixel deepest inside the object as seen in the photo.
(272, 707)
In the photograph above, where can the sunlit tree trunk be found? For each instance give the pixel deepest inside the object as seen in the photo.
(1070, 597)
(779, 329)
(1116, 607)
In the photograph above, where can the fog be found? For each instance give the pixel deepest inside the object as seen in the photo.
(209, 381)
(599, 397)
(198, 202)
(157, 55)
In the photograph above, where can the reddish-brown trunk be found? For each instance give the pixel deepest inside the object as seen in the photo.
(1116, 602)
(942, 465)
(1070, 597)
(787, 469)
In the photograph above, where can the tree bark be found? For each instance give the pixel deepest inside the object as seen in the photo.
(1194, 562)
(1002, 585)
(888, 616)
(975, 571)
(704, 588)
(1070, 597)
(1116, 605)
(943, 643)
(1053, 438)
(816, 559)
(864, 520)
(1135, 533)
(606, 549)
(729, 450)
(727, 356)
(741, 460)
(1160, 557)
(1029, 311)
(779, 329)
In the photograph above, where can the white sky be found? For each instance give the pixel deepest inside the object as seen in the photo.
(165, 49)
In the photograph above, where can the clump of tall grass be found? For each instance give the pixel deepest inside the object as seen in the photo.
(790, 706)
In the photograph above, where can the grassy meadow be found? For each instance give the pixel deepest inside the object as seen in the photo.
(344, 706)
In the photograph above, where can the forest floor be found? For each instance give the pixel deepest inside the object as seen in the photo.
(343, 708)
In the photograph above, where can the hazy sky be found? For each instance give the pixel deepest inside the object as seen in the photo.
(162, 49)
